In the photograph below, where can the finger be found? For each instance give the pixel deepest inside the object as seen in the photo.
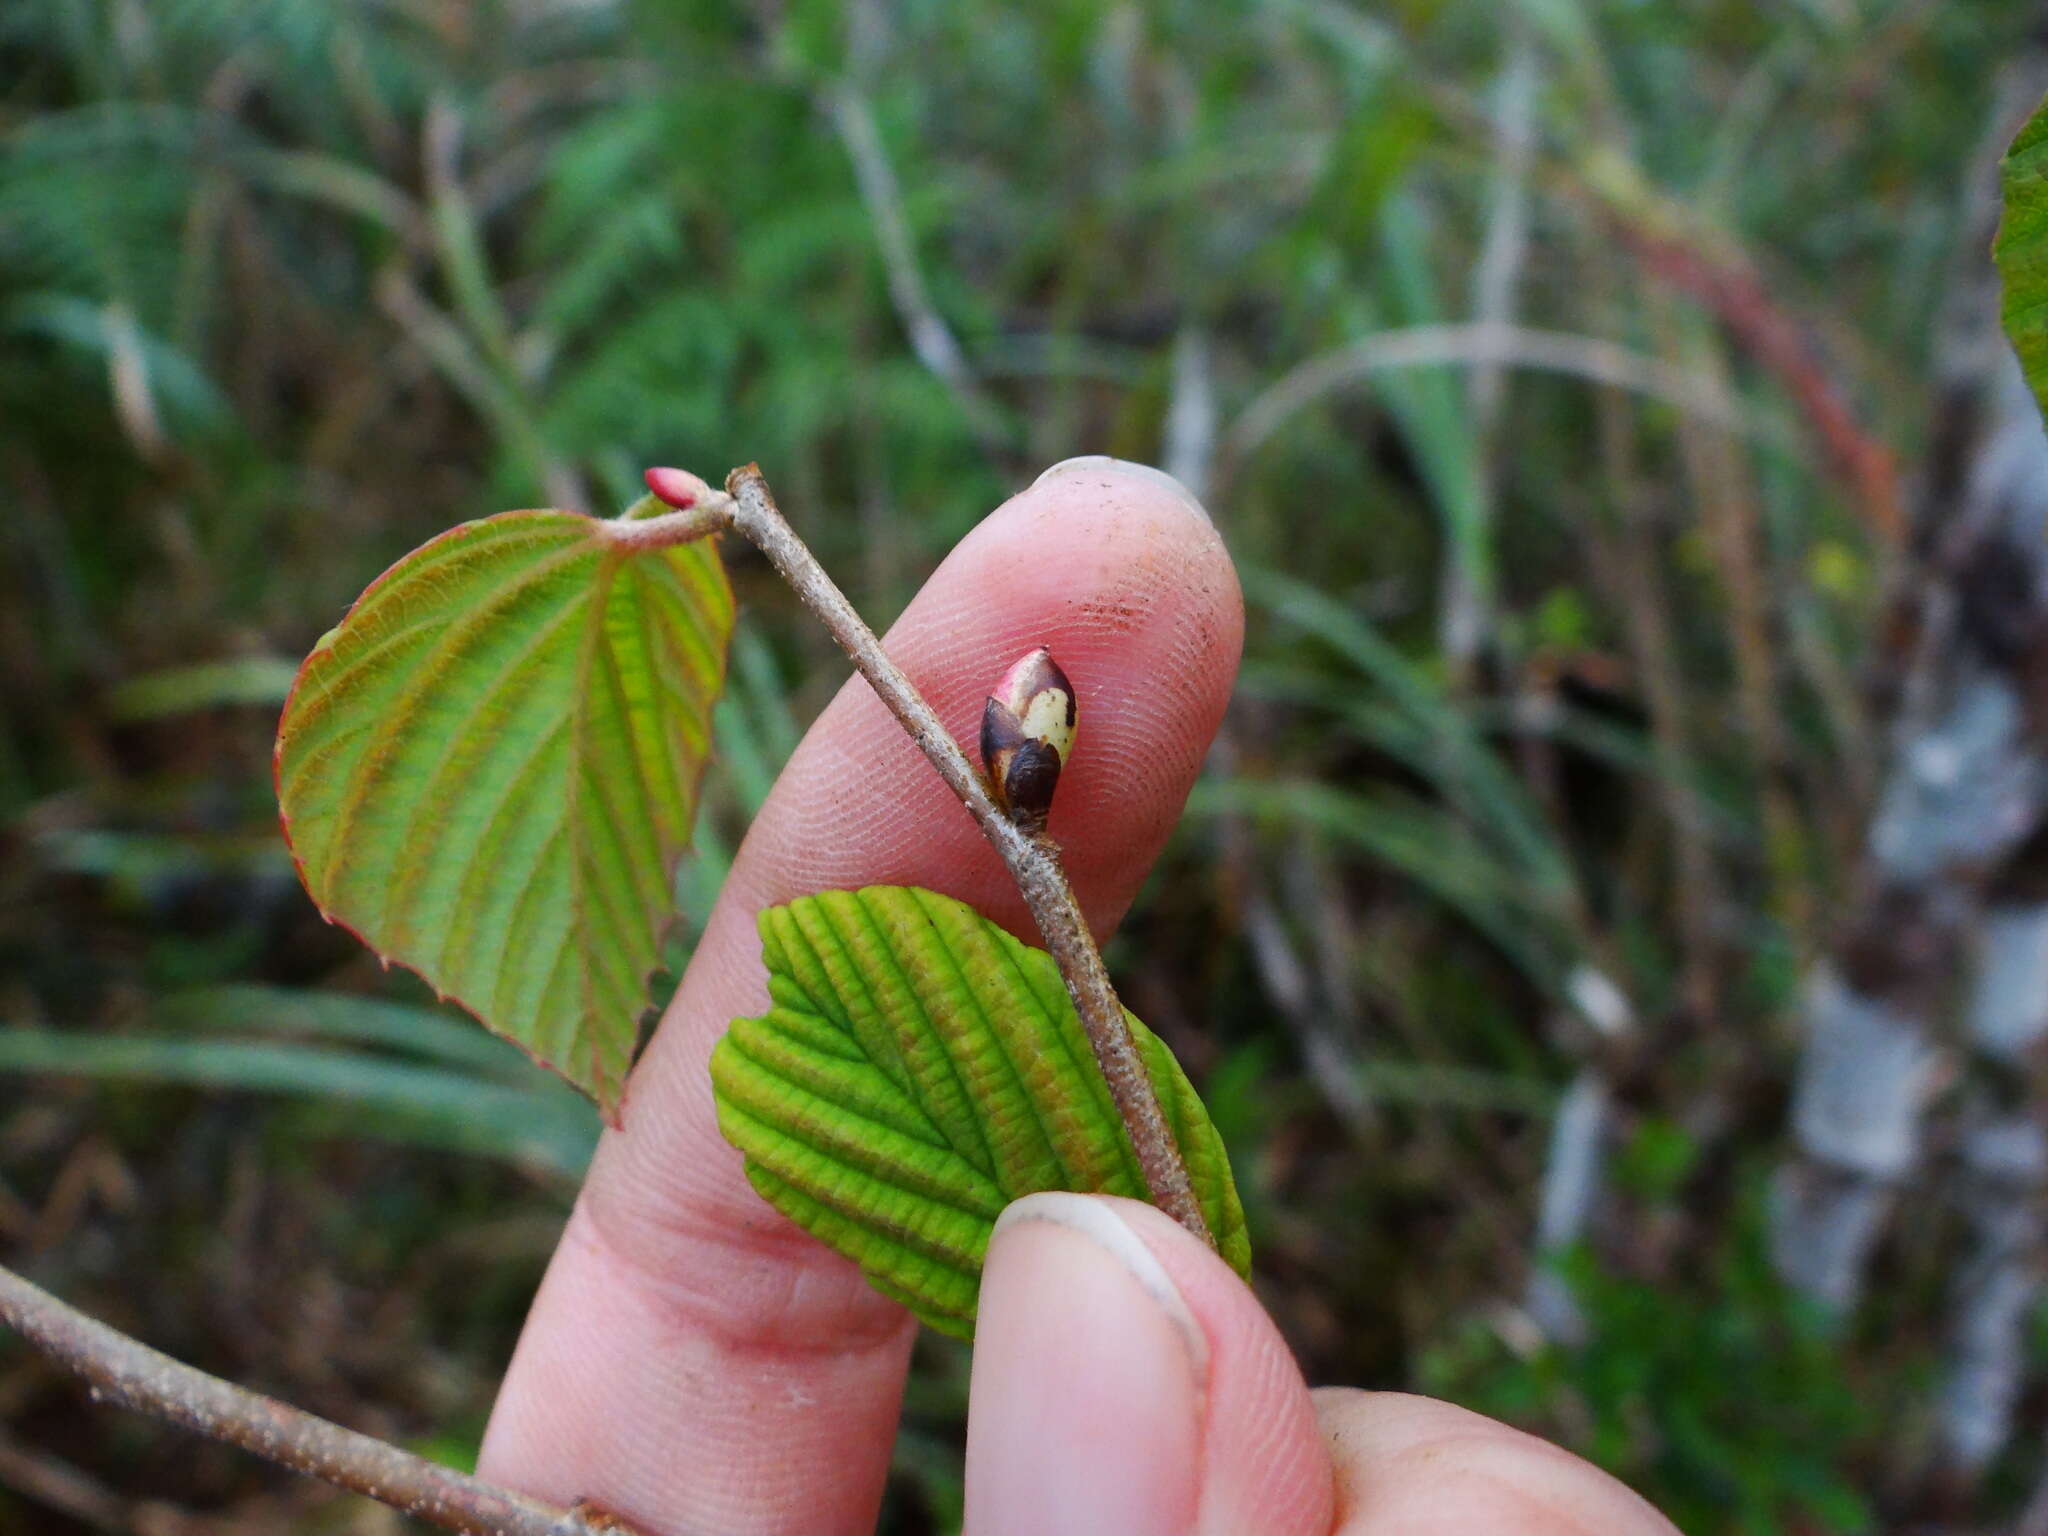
(1412, 1466)
(692, 1359)
(1127, 1383)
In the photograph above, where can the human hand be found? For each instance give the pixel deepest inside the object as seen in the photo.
(700, 1365)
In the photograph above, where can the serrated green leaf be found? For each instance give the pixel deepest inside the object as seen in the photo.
(2021, 250)
(489, 769)
(917, 1070)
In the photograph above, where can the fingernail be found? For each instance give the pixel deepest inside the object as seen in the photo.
(1102, 463)
(1085, 1408)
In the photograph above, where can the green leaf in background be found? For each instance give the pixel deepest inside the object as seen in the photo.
(2022, 250)
(489, 770)
(918, 1069)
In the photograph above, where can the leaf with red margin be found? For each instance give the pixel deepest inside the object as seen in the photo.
(488, 771)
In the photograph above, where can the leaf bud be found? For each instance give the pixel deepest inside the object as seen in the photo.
(1027, 733)
(678, 487)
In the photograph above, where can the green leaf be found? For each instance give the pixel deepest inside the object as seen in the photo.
(489, 770)
(918, 1069)
(2022, 250)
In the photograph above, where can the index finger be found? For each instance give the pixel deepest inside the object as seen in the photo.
(693, 1360)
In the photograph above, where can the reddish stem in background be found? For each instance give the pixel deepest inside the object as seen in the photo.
(1784, 345)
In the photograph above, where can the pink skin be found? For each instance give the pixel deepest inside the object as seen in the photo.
(702, 1366)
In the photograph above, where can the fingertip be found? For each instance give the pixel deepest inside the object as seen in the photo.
(1101, 464)
(1118, 538)
(1085, 1406)
(1133, 592)
(1261, 1464)
(1414, 1466)
(1100, 1221)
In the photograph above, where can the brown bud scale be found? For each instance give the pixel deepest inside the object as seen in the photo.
(1027, 732)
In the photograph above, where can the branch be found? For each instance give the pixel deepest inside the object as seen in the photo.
(1031, 857)
(132, 1374)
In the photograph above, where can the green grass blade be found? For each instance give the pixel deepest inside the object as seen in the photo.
(543, 1126)
(342, 1018)
(1419, 840)
(1465, 768)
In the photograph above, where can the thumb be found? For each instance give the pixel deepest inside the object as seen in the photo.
(1126, 1382)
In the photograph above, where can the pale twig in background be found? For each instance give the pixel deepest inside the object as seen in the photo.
(1723, 485)
(1574, 1167)
(1505, 252)
(1189, 450)
(495, 396)
(2002, 1184)
(1624, 563)
(1303, 999)
(1465, 608)
(853, 119)
(1586, 357)
(1575, 1161)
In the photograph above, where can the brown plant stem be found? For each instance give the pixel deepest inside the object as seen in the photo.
(1032, 859)
(132, 1374)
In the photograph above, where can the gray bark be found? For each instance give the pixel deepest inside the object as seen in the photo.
(1940, 980)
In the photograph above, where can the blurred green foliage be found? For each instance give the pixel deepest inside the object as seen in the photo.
(1562, 688)
(1729, 1398)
